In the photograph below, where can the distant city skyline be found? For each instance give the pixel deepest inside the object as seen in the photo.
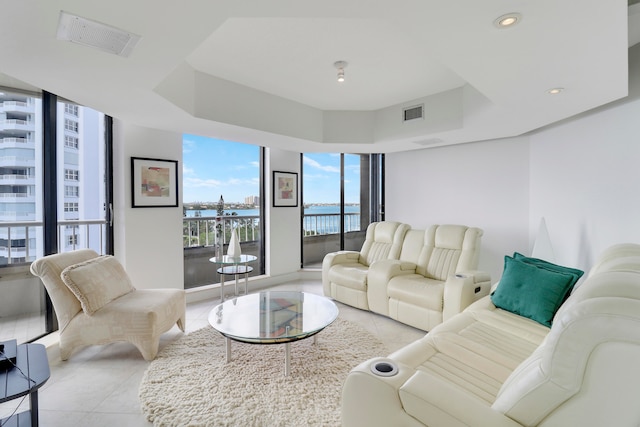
(214, 167)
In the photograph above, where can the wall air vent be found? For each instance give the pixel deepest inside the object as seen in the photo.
(95, 34)
(412, 113)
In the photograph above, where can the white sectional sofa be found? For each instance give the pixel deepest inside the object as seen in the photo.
(490, 366)
(418, 277)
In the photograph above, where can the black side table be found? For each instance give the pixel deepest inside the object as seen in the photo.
(32, 360)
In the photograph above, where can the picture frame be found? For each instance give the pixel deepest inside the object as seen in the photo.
(154, 183)
(285, 189)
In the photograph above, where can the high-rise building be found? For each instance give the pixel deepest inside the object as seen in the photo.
(80, 160)
(19, 132)
(252, 200)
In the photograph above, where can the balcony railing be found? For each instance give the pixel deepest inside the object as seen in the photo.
(17, 124)
(89, 234)
(321, 224)
(14, 140)
(201, 231)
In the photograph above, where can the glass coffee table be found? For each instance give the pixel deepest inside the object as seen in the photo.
(272, 317)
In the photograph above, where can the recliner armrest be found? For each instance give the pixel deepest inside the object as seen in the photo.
(462, 289)
(380, 273)
(335, 258)
(340, 257)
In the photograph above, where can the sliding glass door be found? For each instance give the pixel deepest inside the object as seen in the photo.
(342, 195)
(216, 169)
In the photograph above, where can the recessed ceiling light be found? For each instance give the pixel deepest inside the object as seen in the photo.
(508, 20)
(555, 90)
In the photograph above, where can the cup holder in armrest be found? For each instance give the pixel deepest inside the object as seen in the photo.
(384, 368)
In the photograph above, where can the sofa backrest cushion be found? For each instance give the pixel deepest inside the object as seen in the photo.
(586, 368)
(412, 245)
(382, 241)
(622, 256)
(448, 249)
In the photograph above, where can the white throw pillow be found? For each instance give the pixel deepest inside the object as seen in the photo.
(97, 282)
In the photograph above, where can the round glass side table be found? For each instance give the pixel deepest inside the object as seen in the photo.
(233, 266)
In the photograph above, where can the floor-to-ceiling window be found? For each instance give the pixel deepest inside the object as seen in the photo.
(215, 169)
(54, 197)
(341, 195)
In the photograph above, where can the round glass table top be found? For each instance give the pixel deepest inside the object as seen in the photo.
(240, 259)
(273, 316)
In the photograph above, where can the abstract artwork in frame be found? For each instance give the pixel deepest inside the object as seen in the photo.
(285, 189)
(154, 183)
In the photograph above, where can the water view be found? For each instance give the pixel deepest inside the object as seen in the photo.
(318, 219)
(309, 210)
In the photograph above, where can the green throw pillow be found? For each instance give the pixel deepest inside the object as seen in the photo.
(532, 291)
(550, 266)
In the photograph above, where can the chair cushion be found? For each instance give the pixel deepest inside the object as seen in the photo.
(352, 275)
(97, 282)
(415, 289)
(532, 291)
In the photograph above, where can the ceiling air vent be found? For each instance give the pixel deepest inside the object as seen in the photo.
(412, 113)
(95, 34)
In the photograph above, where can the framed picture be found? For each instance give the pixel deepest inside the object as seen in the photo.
(154, 183)
(285, 189)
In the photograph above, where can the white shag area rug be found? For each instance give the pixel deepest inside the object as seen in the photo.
(190, 383)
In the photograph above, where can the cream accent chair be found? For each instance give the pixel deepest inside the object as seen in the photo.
(344, 273)
(488, 367)
(434, 279)
(90, 313)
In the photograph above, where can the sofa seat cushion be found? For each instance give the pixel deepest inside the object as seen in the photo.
(350, 275)
(417, 290)
(138, 317)
(476, 350)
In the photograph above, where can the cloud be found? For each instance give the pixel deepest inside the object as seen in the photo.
(188, 145)
(314, 164)
(187, 171)
(214, 183)
(200, 183)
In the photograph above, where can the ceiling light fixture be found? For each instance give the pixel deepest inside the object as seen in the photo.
(340, 65)
(508, 20)
(555, 90)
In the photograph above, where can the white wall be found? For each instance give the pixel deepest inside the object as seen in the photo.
(585, 181)
(148, 241)
(480, 185)
(282, 223)
(582, 175)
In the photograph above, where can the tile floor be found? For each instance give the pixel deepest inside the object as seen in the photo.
(98, 385)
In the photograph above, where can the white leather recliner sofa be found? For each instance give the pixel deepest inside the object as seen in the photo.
(421, 278)
(344, 273)
(491, 367)
(434, 278)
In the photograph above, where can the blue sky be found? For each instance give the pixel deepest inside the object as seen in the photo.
(213, 167)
